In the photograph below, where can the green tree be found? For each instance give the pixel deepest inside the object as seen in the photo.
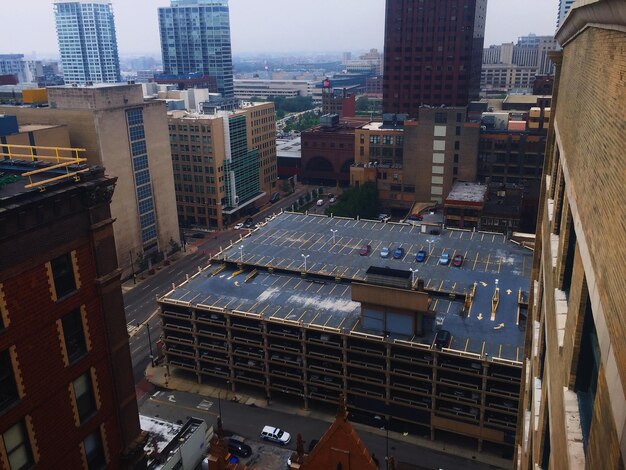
(363, 104)
(359, 201)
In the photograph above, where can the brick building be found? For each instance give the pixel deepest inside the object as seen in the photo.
(328, 150)
(433, 53)
(128, 136)
(67, 396)
(573, 412)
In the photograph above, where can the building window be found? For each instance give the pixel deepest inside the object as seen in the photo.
(85, 401)
(74, 336)
(18, 448)
(94, 451)
(441, 118)
(8, 388)
(63, 275)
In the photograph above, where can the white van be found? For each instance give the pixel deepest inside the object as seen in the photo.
(320, 202)
(270, 433)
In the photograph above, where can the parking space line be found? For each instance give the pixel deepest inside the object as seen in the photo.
(482, 351)
(435, 306)
(499, 263)
(303, 314)
(493, 238)
(408, 252)
(321, 287)
(449, 305)
(482, 237)
(466, 344)
(344, 291)
(488, 258)
(309, 286)
(288, 280)
(428, 283)
(472, 237)
(277, 310)
(474, 267)
(339, 326)
(328, 319)
(440, 286)
(451, 232)
(315, 317)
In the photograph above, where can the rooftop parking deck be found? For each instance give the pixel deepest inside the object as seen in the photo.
(323, 298)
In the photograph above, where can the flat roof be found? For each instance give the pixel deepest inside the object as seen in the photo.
(289, 148)
(467, 192)
(323, 298)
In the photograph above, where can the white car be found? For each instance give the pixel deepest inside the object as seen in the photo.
(238, 226)
(270, 433)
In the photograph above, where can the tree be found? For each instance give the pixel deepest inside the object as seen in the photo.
(359, 201)
(363, 104)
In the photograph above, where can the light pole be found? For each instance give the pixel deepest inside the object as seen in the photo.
(149, 341)
(430, 242)
(304, 257)
(413, 272)
(241, 253)
(334, 231)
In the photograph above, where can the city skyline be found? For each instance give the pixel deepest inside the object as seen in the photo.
(258, 28)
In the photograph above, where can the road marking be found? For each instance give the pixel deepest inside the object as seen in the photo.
(205, 405)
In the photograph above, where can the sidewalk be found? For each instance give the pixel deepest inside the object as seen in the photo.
(158, 377)
(129, 284)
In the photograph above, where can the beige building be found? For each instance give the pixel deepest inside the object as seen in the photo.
(417, 161)
(573, 412)
(128, 136)
(224, 163)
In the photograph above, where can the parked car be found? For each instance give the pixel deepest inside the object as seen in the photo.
(421, 256)
(275, 197)
(442, 339)
(238, 226)
(332, 200)
(435, 231)
(237, 447)
(384, 252)
(444, 259)
(384, 217)
(399, 253)
(249, 223)
(457, 261)
(272, 434)
(365, 250)
(320, 202)
(415, 217)
(331, 196)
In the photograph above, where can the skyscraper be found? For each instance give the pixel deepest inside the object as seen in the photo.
(87, 41)
(564, 8)
(195, 37)
(433, 53)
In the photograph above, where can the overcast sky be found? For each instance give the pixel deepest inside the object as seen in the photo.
(271, 26)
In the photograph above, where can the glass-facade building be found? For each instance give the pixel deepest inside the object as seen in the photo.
(141, 172)
(87, 41)
(241, 167)
(195, 37)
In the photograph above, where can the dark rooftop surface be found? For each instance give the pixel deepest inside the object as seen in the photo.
(324, 297)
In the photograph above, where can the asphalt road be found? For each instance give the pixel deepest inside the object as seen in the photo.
(248, 421)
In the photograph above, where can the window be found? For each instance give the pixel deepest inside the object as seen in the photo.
(18, 447)
(74, 336)
(85, 401)
(441, 118)
(63, 275)
(94, 451)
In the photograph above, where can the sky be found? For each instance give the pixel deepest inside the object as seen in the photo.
(264, 26)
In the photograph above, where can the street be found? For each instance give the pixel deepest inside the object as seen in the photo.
(247, 421)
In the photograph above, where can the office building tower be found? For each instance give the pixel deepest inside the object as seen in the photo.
(87, 41)
(195, 38)
(13, 64)
(564, 8)
(224, 163)
(128, 136)
(573, 413)
(515, 66)
(67, 397)
(433, 53)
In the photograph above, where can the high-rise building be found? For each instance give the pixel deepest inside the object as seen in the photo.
(224, 163)
(195, 37)
(573, 413)
(13, 64)
(564, 8)
(433, 53)
(87, 41)
(67, 397)
(128, 136)
(515, 66)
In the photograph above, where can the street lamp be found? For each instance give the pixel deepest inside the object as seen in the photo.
(305, 257)
(241, 253)
(147, 323)
(334, 231)
(430, 242)
(413, 272)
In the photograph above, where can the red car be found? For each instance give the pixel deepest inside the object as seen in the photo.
(457, 261)
(365, 250)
